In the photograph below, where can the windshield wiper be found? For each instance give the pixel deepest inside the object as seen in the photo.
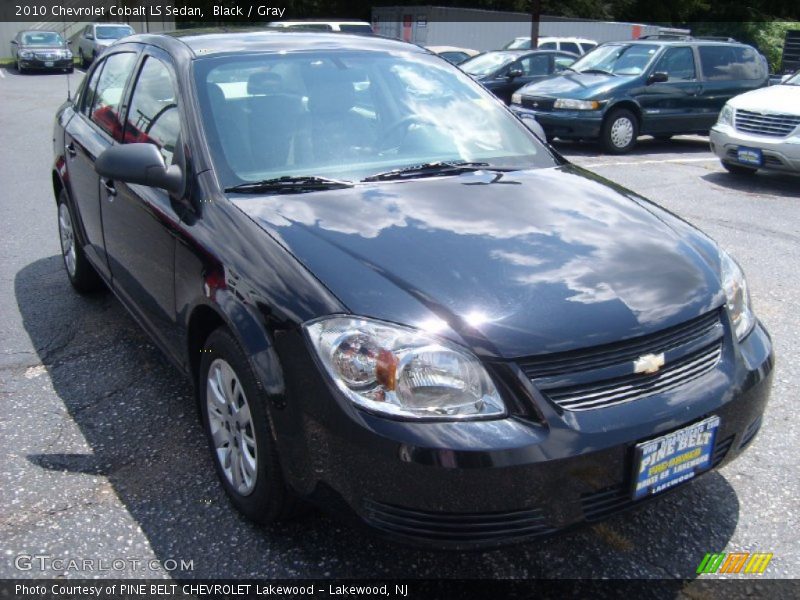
(430, 169)
(290, 184)
(600, 71)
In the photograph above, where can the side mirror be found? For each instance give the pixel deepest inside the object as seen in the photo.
(139, 163)
(514, 73)
(534, 127)
(657, 77)
(14, 42)
(89, 36)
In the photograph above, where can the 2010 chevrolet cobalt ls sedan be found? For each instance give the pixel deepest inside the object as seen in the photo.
(392, 299)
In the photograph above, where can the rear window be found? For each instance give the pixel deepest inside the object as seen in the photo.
(570, 47)
(725, 63)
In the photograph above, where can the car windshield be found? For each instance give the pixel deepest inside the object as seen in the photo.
(42, 38)
(487, 63)
(348, 115)
(618, 59)
(112, 32)
(793, 80)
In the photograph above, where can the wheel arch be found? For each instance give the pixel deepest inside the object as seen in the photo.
(628, 104)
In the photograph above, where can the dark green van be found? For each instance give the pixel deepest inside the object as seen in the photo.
(651, 86)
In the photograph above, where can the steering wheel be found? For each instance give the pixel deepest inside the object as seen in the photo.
(400, 126)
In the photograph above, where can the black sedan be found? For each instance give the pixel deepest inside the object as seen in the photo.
(391, 298)
(505, 71)
(40, 50)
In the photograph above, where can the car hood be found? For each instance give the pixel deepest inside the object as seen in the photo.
(511, 264)
(581, 86)
(776, 98)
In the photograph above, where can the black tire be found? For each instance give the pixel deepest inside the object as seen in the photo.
(70, 69)
(83, 277)
(270, 499)
(82, 59)
(738, 169)
(20, 69)
(612, 142)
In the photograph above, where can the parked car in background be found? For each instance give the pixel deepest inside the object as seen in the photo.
(324, 25)
(391, 298)
(96, 37)
(659, 87)
(503, 71)
(453, 54)
(40, 51)
(577, 46)
(760, 130)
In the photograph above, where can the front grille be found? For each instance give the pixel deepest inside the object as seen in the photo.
(773, 125)
(538, 103)
(634, 387)
(46, 56)
(620, 352)
(606, 502)
(456, 527)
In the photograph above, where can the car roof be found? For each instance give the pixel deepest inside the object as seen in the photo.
(112, 24)
(39, 31)
(208, 42)
(679, 42)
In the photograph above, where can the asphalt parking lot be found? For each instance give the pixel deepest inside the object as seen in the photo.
(103, 455)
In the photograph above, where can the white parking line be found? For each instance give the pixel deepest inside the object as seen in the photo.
(2, 73)
(650, 162)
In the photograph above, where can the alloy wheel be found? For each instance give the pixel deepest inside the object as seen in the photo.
(67, 235)
(231, 426)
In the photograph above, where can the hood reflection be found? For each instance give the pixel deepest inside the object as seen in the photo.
(560, 260)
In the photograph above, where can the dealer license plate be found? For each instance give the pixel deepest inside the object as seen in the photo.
(749, 156)
(671, 459)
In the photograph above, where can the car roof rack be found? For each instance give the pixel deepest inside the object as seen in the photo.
(684, 37)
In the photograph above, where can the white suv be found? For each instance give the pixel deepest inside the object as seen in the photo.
(760, 129)
(577, 46)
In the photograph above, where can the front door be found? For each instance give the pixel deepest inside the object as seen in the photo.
(140, 222)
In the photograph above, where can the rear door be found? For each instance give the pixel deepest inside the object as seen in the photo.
(93, 129)
(672, 106)
(140, 222)
(728, 70)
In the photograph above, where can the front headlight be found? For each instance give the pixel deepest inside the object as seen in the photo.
(726, 115)
(516, 98)
(26, 54)
(570, 104)
(402, 372)
(737, 295)
(67, 53)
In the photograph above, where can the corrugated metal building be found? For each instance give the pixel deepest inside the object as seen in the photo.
(489, 30)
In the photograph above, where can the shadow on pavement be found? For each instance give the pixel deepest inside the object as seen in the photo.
(137, 415)
(763, 182)
(645, 146)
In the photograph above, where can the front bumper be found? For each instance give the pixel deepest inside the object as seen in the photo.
(780, 154)
(40, 64)
(565, 124)
(487, 483)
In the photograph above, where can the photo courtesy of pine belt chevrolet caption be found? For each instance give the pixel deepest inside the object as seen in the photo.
(393, 299)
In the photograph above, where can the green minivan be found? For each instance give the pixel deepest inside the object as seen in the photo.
(657, 85)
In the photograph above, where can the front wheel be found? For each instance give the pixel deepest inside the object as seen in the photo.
(620, 130)
(20, 69)
(235, 420)
(738, 169)
(81, 273)
(82, 59)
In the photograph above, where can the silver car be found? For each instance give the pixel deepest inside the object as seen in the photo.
(96, 37)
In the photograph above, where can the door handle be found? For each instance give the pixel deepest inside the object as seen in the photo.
(111, 190)
(70, 148)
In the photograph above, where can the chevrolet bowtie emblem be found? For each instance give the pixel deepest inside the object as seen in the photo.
(648, 363)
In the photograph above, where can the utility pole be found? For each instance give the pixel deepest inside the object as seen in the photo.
(536, 16)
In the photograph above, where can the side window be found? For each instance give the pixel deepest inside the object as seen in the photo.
(107, 100)
(678, 63)
(562, 62)
(571, 47)
(588, 47)
(87, 95)
(538, 64)
(153, 114)
(547, 46)
(722, 63)
(87, 31)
